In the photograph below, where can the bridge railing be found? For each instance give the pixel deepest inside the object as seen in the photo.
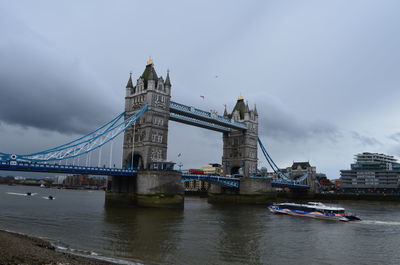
(206, 114)
(190, 120)
(52, 168)
(230, 182)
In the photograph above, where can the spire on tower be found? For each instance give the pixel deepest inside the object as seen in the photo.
(149, 61)
(240, 107)
(167, 80)
(225, 112)
(129, 84)
(149, 73)
(255, 110)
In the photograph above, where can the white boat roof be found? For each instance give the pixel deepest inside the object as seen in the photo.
(313, 205)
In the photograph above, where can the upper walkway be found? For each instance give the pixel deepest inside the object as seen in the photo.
(209, 120)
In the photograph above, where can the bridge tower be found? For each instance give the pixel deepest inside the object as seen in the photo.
(147, 140)
(240, 147)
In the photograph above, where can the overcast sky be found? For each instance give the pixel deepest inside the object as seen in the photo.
(323, 74)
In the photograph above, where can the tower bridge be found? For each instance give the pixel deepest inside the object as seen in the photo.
(144, 125)
(147, 141)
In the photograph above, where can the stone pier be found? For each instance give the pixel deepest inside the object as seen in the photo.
(252, 191)
(161, 189)
(150, 188)
(121, 190)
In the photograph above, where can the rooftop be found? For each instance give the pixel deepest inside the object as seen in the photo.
(367, 158)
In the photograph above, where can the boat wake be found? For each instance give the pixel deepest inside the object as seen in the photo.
(49, 198)
(377, 222)
(21, 194)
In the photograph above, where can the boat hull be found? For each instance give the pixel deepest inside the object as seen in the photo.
(316, 215)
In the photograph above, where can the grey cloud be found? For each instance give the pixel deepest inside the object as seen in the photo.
(316, 65)
(395, 137)
(365, 140)
(278, 122)
(44, 88)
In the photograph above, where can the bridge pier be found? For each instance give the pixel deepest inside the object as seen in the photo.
(251, 186)
(121, 190)
(160, 189)
(251, 191)
(150, 188)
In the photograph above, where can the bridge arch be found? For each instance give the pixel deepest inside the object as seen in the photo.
(236, 170)
(137, 161)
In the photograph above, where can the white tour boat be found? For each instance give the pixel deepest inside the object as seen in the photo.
(314, 210)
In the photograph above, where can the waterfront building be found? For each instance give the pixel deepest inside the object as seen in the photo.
(372, 173)
(212, 169)
(299, 169)
(59, 180)
(196, 185)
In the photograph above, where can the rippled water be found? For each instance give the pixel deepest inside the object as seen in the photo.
(202, 233)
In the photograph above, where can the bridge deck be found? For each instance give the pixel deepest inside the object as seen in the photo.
(235, 182)
(231, 182)
(68, 169)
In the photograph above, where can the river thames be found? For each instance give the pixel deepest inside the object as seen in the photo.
(201, 233)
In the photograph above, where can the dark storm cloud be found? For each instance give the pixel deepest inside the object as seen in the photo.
(283, 124)
(42, 87)
(365, 140)
(317, 71)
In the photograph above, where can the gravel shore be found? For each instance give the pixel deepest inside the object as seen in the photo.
(24, 250)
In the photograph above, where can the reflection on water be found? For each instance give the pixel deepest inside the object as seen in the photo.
(148, 235)
(239, 232)
(202, 233)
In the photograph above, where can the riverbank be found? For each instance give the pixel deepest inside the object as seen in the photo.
(21, 249)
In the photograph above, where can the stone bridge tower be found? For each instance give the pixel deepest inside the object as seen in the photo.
(240, 147)
(151, 130)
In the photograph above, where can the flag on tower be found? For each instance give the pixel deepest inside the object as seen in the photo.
(202, 97)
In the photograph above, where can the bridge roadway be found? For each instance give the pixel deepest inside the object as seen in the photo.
(68, 169)
(235, 182)
(103, 171)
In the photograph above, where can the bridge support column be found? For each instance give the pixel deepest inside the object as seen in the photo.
(120, 190)
(160, 189)
(252, 186)
(215, 188)
(252, 191)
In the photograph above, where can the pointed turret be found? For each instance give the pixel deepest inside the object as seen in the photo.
(246, 111)
(240, 107)
(255, 110)
(149, 74)
(129, 84)
(167, 80)
(225, 112)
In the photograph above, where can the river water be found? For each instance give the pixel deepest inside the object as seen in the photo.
(201, 233)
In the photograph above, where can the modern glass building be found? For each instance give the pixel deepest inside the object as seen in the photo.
(372, 173)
